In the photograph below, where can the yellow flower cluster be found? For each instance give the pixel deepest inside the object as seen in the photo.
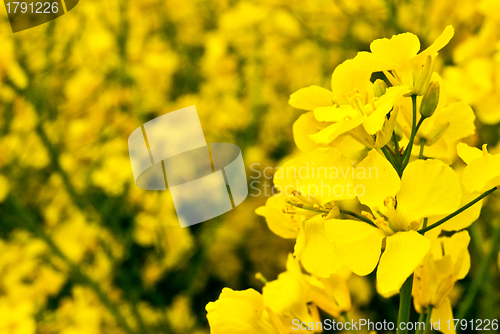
(390, 127)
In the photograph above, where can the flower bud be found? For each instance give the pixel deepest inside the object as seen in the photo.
(430, 100)
(334, 213)
(381, 140)
(384, 136)
(398, 132)
(424, 77)
(379, 87)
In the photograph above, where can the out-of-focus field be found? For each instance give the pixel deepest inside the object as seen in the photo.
(83, 250)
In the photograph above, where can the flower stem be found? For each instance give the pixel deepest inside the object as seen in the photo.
(425, 222)
(422, 146)
(421, 319)
(420, 121)
(307, 207)
(389, 155)
(463, 208)
(344, 315)
(360, 217)
(428, 319)
(407, 154)
(404, 305)
(396, 145)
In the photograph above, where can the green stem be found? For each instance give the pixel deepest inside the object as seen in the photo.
(346, 212)
(428, 319)
(421, 319)
(307, 207)
(422, 146)
(469, 300)
(407, 154)
(404, 304)
(425, 222)
(420, 123)
(463, 208)
(344, 315)
(360, 217)
(388, 154)
(396, 144)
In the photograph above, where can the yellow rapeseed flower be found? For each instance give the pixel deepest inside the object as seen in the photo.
(447, 262)
(427, 188)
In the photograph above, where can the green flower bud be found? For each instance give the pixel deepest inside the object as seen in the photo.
(430, 100)
(379, 87)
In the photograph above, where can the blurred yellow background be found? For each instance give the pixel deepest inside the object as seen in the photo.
(82, 249)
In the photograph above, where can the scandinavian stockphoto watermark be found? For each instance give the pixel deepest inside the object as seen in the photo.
(205, 180)
(363, 324)
(311, 180)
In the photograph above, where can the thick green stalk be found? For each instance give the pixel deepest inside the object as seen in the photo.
(462, 209)
(404, 304)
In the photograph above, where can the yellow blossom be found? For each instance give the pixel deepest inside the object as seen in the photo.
(447, 262)
(483, 169)
(426, 189)
(242, 312)
(400, 56)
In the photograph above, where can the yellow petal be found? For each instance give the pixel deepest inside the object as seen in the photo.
(389, 54)
(482, 174)
(285, 225)
(464, 219)
(456, 247)
(335, 114)
(384, 105)
(350, 76)
(382, 183)
(438, 44)
(443, 314)
(460, 118)
(428, 188)
(289, 293)
(322, 175)
(467, 153)
(426, 281)
(403, 252)
(315, 251)
(330, 294)
(311, 97)
(357, 244)
(238, 312)
(331, 132)
(304, 126)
